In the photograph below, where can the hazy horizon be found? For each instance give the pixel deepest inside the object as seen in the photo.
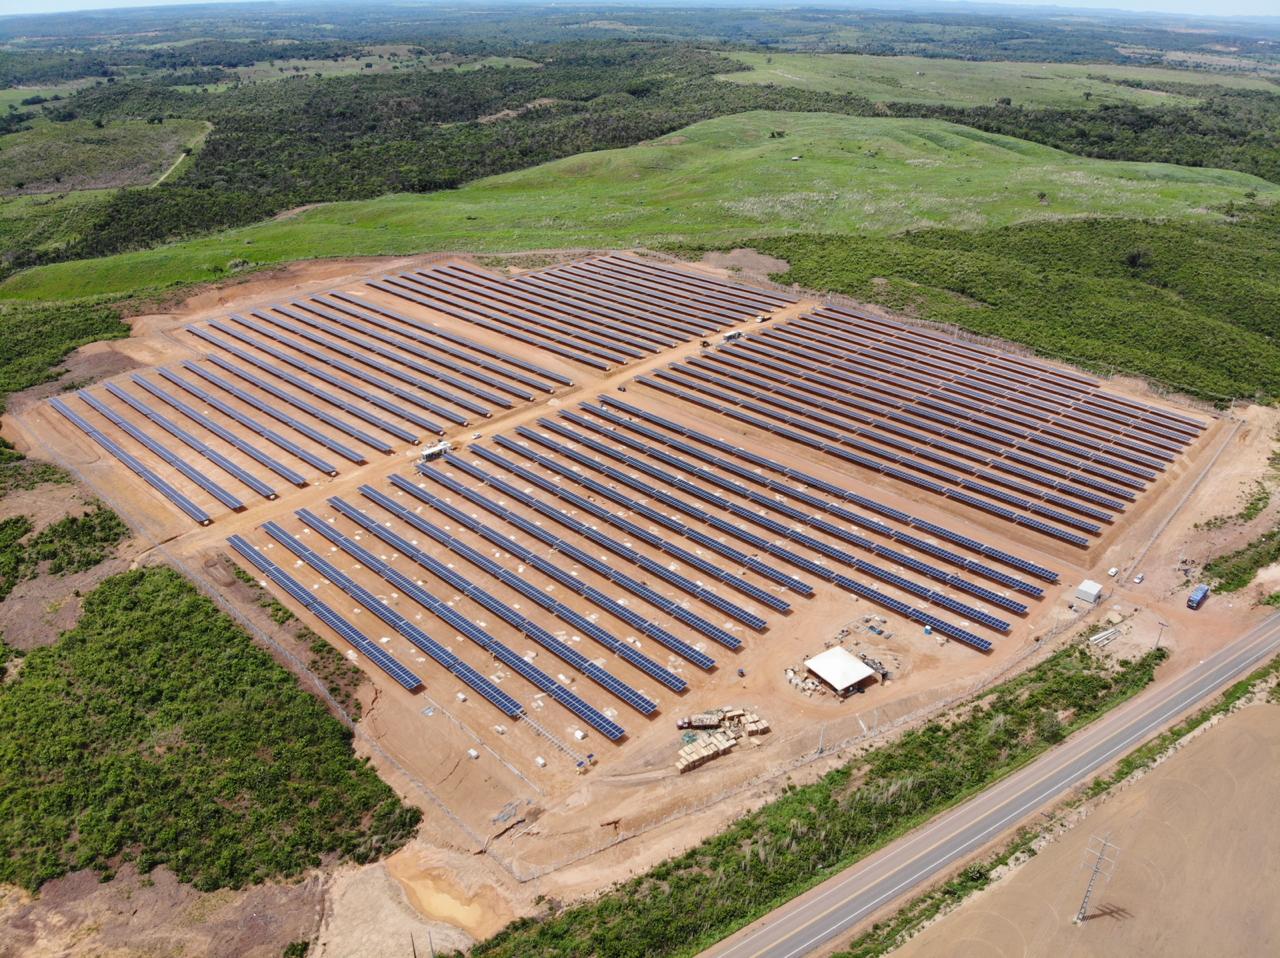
(1192, 8)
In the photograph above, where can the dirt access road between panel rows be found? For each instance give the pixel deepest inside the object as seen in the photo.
(818, 919)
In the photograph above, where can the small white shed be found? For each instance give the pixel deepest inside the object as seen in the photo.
(840, 669)
(1089, 591)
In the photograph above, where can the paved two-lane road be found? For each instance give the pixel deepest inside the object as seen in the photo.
(820, 917)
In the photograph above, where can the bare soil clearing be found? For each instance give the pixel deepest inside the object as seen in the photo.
(1199, 840)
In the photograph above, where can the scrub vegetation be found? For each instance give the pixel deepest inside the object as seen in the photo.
(1190, 308)
(982, 83)
(773, 854)
(72, 544)
(155, 732)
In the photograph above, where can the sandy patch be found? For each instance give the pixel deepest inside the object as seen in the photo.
(155, 915)
(1197, 837)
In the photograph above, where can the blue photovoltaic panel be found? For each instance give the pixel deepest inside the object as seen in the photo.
(499, 608)
(336, 401)
(231, 389)
(195, 475)
(169, 492)
(615, 335)
(361, 375)
(571, 582)
(483, 686)
(405, 341)
(1031, 568)
(362, 644)
(361, 355)
(774, 485)
(651, 327)
(424, 333)
(559, 331)
(773, 526)
(618, 548)
(644, 535)
(633, 586)
(512, 332)
(173, 429)
(469, 629)
(226, 435)
(521, 585)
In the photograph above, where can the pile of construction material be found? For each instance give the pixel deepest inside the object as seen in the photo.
(716, 733)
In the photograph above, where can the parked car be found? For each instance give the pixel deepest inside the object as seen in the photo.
(1137, 579)
(1113, 571)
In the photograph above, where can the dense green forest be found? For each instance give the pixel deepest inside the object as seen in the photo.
(156, 732)
(771, 855)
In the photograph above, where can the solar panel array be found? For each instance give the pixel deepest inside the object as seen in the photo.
(599, 313)
(1025, 442)
(667, 537)
(523, 561)
(295, 391)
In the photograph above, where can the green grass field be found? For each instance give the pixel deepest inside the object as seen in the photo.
(47, 220)
(976, 83)
(76, 155)
(713, 183)
(14, 95)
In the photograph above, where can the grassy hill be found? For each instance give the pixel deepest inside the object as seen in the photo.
(978, 83)
(78, 155)
(717, 182)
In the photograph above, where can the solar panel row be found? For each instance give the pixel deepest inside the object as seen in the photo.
(875, 526)
(173, 429)
(1033, 375)
(571, 582)
(325, 614)
(134, 465)
(1032, 388)
(491, 603)
(634, 586)
(375, 326)
(248, 422)
(644, 535)
(805, 519)
(465, 627)
(884, 465)
(762, 462)
(844, 424)
(226, 435)
(612, 335)
(432, 333)
(362, 348)
(274, 412)
(847, 401)
(363, 359)
(771, 525)
(548, 342)
(510, 579)
(337, 402)
(482, 685)
(161, 451)
(654, 328)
